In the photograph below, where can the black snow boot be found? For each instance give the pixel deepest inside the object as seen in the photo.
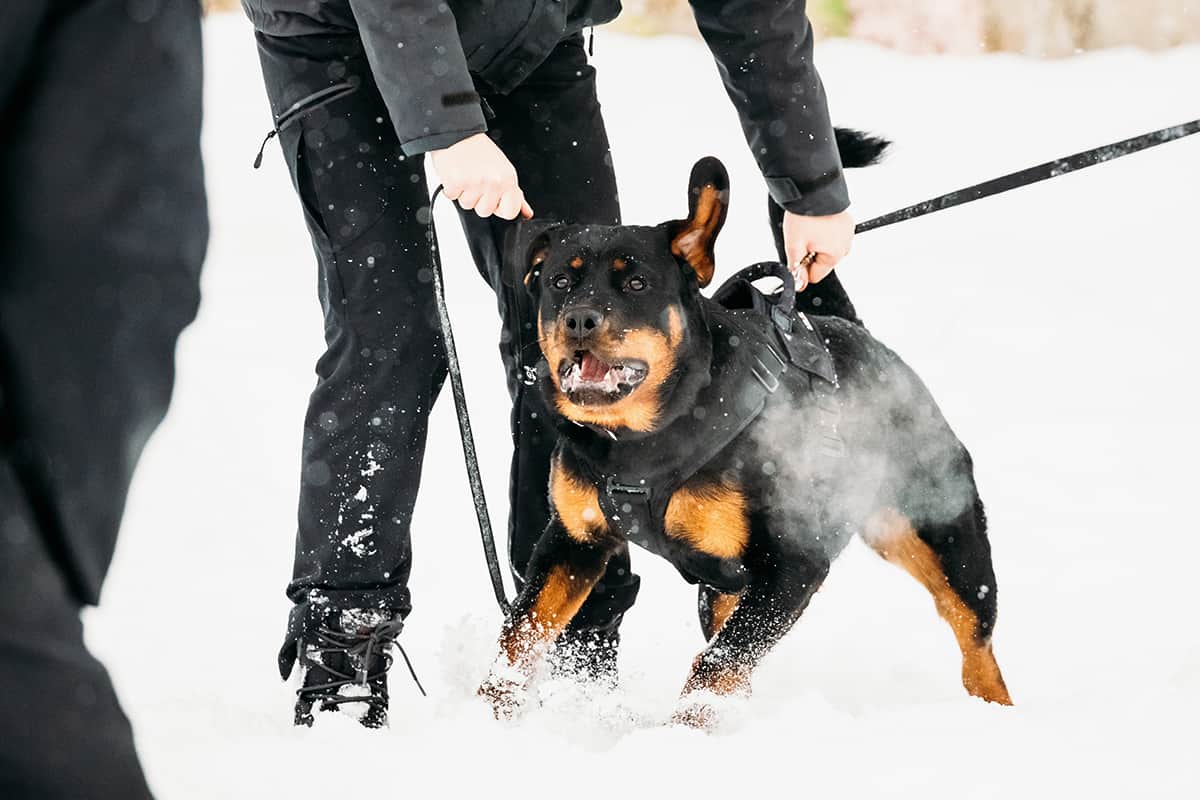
(345, 663)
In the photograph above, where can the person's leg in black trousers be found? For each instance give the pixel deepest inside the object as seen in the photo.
(102, 197)
(367, 209)
(63, 732)
(552, 131)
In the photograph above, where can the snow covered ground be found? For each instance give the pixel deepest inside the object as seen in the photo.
(1055, 326)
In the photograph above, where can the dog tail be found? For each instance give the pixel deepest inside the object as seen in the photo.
(860, 149)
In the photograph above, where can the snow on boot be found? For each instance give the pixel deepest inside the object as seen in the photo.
(345, 664)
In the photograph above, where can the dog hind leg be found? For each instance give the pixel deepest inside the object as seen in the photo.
(953, 562)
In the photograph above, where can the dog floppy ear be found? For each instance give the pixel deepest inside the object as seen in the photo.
(708, 199)
(526, 244)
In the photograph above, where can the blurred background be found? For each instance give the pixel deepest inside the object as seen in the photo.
(1045, 28)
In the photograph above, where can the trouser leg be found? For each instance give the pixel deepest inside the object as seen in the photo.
(62, 733)
(102, 197)
(367, 208)
(552, 131)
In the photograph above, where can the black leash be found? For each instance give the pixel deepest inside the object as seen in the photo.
(1051, 169)
(464, 421)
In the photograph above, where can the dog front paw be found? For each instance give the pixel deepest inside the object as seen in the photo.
(696, 714)
(505, 695)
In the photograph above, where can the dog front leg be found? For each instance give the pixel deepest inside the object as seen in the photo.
(559, 579)
(766, 610)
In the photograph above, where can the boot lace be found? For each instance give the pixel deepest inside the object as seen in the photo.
(361, 648)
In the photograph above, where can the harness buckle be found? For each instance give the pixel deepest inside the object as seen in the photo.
(529, 376)
(764, 374)
(781, 320)
(612, 487)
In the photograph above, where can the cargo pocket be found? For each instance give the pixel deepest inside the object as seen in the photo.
(344, 160)
(290, 142)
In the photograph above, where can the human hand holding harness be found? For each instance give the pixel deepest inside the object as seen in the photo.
(815, 245)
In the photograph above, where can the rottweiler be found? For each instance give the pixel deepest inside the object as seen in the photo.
(744, 441)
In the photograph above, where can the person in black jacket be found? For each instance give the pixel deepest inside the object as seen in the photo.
(104, 231)
(501, 97)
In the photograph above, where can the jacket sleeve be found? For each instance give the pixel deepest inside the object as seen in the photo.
(764, 54)
(418, 63)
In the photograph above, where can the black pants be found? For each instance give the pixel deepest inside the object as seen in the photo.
(104, 231)
(367, 209)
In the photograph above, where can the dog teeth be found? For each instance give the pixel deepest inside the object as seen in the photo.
(572, 379)
(609, 384)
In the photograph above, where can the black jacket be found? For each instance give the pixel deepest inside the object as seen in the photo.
(427, 56)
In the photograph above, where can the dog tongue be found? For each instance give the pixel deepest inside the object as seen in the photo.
(592, 369)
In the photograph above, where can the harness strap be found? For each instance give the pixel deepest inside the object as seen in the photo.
(769, 339)
(635, 503)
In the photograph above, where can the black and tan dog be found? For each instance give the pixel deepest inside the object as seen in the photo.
(739, 439)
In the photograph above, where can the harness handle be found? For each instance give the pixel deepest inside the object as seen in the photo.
(772, 269)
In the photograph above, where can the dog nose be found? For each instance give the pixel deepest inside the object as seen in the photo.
(583, 321)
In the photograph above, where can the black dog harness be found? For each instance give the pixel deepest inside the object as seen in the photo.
(766, 340)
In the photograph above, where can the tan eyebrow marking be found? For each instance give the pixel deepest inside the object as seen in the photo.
(619, 264)
(576, 262)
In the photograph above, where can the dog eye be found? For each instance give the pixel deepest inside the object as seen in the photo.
(635, 284)
(560, 281)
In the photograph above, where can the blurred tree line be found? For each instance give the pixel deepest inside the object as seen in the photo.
(1034, 27)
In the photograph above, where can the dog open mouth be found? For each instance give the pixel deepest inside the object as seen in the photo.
(589, 380)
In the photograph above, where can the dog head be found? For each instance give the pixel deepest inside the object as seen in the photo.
(618, 307)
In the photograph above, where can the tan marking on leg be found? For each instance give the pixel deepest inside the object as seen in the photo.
(711, 518)
(577, 504)
(558, 601)
(893, 537)
(722, 606)
(731, 679)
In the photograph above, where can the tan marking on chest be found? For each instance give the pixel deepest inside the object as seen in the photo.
(711, 518)
(577, 504)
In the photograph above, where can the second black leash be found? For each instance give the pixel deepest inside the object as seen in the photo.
(464, 421)
(1051, 169)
